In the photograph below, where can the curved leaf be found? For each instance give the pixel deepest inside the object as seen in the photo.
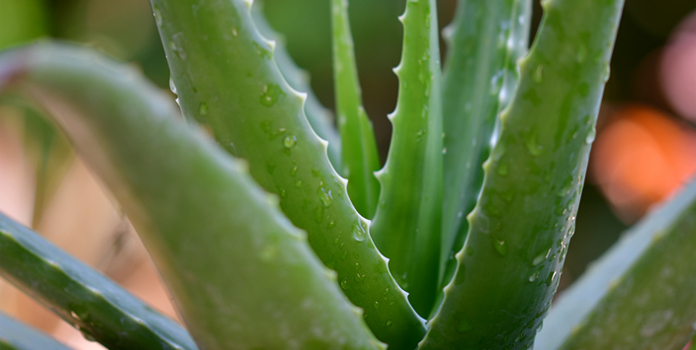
(230, 82)
(81, 296)
(479, 78)
(360, 158)
(634, 296)
(16, 336)
(241, 275)
(408, 220)
(510, 265)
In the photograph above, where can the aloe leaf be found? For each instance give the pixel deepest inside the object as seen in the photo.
(360, 158)
(241, 275)
(485, 39)
(319, 117)
(629, 298)
(231, 82)
(84, 298)
(16, 336)
(407, 225)
(510, 265)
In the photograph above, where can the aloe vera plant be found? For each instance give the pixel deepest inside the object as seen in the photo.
(456, 243)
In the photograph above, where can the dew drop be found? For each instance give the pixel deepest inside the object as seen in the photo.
(551, 278)
(539, 74)
(298, 183)
(289, 141)
(344, 284)
(158, 16)
(293, 171)
(533, 277)
(606, 72)
(538, 259)
(271, 94)
(234, 32)
(359, 231)
(444, 150)
(419, 135)
(172, 86)
(389, 323)
(325, 196)
(590, 136)
(500, 247)
(282, 192)
(203, 108)
(376, 305)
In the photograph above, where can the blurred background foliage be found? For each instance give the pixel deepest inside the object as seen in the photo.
(645, 149)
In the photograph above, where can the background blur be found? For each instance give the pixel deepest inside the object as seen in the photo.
(645, 149)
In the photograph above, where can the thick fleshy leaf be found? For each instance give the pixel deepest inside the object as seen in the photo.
(241, 275)
(319, 117)
(84, 298)
(230, 82)
(360, 158)
(408, 220)
(634, 297)
(17, 336)
(485, 40)
(509, 268)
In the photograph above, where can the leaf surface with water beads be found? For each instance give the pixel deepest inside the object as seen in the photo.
(254, 114)
(479, 79)
(319, 117)
(360, 158)
(509, 267)
(408, 220)
(629, 298)
(241, 275)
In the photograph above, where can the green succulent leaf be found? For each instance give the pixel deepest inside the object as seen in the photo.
(360, 158)
(485, 40)
(241, 275)
(84, 298)
(407, 225)
(319, 117)
(632, 297)
(16, 336)
(510, 265)
(230, 82)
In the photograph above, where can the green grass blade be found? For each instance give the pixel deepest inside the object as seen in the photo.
(408, 220)
(360, 158)
(231, 82)
(241, 275)
(485, 40)
(17, 336)
(84, 298)
(510, 265)
(630, 298)
(319, 117)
